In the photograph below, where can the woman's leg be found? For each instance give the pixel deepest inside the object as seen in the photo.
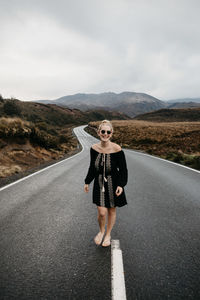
(111, 222)
(102, 212)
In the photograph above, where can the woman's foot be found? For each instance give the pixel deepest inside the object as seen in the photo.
(107, 241)
(98, 238)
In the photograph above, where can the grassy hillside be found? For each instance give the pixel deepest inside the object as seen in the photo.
(172, 115)
(176, 141)
(23, 145)
(34, 133)
(52, 114)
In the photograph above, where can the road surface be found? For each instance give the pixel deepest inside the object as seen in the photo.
(47, 226)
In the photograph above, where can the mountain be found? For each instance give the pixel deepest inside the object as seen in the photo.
(35, 133)
(172, 115)
(196, 100)
(129, 103)
(184, 105)
(52, 114)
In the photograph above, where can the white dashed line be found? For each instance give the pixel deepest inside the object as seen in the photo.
(118, 290)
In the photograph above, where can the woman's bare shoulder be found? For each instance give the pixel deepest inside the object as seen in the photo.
(95, 147)
(116, 147)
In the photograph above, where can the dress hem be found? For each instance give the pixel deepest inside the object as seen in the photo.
(111, 207)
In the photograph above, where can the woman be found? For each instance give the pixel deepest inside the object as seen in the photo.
(108, 168)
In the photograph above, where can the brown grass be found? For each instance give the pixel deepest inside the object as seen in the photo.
(24, 145)
(178, 141)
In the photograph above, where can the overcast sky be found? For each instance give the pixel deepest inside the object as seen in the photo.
(53, 48)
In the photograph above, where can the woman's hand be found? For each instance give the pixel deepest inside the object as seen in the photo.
(119, 190)
(86, 188)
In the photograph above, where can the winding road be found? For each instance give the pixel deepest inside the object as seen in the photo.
(47, 226)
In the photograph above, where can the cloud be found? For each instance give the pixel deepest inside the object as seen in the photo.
(51, 49)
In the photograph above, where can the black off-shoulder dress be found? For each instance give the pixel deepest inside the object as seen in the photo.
(108, 171)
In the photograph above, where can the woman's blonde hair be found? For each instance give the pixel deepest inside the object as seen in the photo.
(105, 122)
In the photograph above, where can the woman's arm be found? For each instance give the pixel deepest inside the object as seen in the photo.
(123, 172)
(91, 171)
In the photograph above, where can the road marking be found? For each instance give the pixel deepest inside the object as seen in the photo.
(118, 290)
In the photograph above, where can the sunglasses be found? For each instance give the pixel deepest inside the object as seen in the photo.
(105, 131)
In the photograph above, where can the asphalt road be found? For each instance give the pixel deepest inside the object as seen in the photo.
(47, 225)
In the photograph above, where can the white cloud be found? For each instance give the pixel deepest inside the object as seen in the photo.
(50, 49)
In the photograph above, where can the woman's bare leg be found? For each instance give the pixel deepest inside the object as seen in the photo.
(111, 222)
(102, 212)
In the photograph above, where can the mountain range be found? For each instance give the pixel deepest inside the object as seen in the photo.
(129, 103)
(184, 100)
(172, 115)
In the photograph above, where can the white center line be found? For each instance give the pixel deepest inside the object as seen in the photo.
(118, 291)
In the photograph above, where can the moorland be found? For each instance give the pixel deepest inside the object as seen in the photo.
(175, 141)
(35, 134)
(32, 134)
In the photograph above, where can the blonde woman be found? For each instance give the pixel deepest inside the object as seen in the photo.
(109, 170)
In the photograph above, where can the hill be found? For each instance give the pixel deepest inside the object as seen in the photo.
(177, 141)
(129, 103)
(183, 100)
(172, 115)
(53, 114)
(184, 105)
(32, 133)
